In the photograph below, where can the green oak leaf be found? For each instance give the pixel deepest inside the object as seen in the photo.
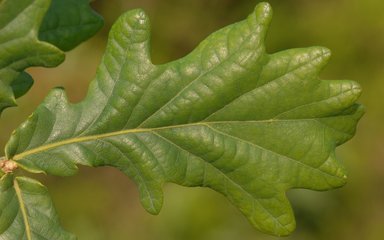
(24, 25)
(21, 84)
(227, 116)
(27, 212)
(68, 23)
(20, 47)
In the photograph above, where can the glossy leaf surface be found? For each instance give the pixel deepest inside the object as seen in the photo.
(228, 116)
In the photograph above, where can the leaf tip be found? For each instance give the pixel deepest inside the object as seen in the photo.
(263, 12)
(322, 55)
(318, 57)
(56, 96)
(287, 230)
(325, 52)
(280, 226)
(137, 19)
(151, 198)
(356, 88)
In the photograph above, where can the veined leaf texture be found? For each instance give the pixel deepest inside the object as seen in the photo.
(228, 116)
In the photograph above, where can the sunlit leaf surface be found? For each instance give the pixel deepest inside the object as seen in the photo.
(227, 116)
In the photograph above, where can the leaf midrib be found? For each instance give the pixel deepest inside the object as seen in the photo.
(94, 137)
(22, 209)
(20, 156)
(46, 147)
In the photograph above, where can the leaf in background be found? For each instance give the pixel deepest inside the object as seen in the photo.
(21, 84)
(19, 46)
(27, 211)
(68, 23)
(228, 116)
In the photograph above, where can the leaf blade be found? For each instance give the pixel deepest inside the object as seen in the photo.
(19, 44)
(22, 84)
(226, 113)
(27, 28)
(68, 23)
(27, 211)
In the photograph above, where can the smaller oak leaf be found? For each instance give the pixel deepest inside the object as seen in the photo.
(29, 32)
(27, 211)
(20, 47)
(227, 116)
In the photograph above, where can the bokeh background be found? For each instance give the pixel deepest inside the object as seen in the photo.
(103, 204)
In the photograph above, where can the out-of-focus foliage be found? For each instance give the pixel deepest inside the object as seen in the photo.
(352, 29)
(67, 23)
(20, 47)
(25, 42)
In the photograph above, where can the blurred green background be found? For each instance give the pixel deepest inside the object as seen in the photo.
(103, 204)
